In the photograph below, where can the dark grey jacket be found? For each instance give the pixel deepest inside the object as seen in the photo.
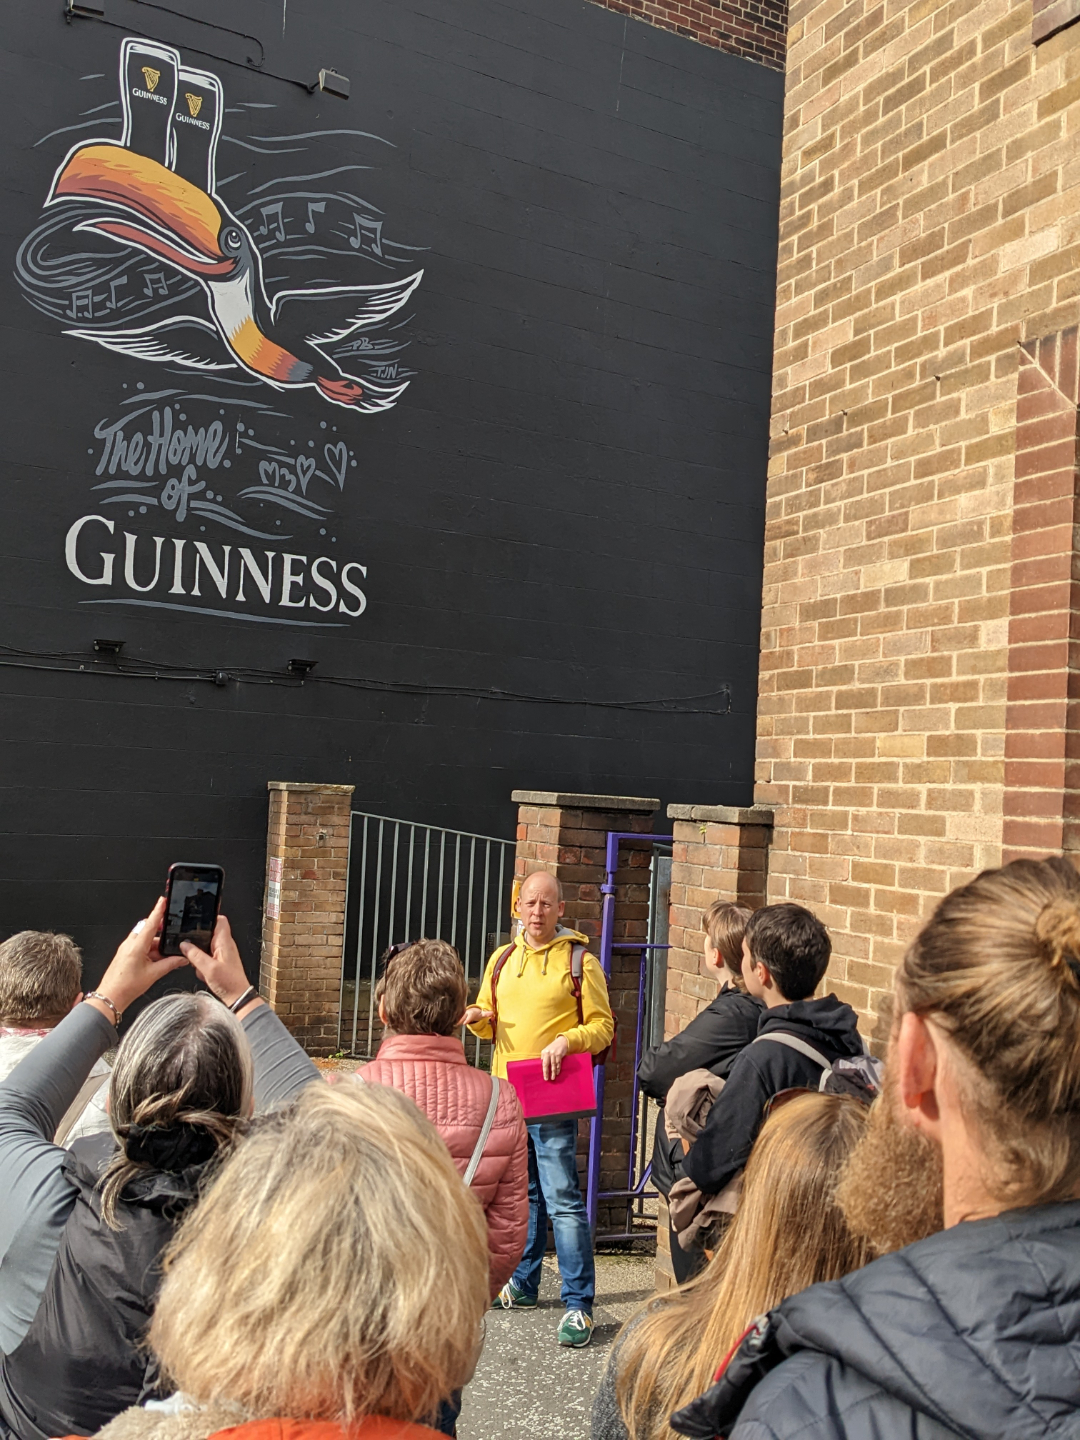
(974, 1332)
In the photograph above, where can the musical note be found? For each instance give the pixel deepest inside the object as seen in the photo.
(85, 300)
(368, 234)
(313, 205)
(156, 283)
(115, 285)
(272, 217)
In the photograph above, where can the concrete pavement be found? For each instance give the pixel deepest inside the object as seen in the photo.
(528, 1386)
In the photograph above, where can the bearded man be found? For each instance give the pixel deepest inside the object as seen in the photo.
(972, 1165)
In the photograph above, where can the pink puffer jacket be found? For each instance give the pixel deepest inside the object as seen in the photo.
(433, 1071)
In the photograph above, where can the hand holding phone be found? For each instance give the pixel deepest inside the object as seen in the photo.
(222, 970)
(192, 900)
(136, 965)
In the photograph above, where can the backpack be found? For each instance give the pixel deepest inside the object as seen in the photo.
(577, 969)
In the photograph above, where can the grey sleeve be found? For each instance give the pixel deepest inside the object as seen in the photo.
(607, 1421)
(35, 1194)
(281, 1067)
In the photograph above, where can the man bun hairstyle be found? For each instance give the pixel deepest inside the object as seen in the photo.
(40, 977)
(725, 925)
(423, 990)
(997, 967)
(795, 946)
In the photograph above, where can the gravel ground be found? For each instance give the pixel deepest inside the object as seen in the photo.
(528, 1386)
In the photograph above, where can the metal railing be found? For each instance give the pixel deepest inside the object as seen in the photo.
(407, 881)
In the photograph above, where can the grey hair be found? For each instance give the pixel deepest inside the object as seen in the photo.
(185, 1060)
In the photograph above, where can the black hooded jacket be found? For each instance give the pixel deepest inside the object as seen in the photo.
(98, 1304)
(974, 1332)
(711, 1041)
(761, 1071)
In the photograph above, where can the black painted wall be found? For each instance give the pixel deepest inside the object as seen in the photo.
(565, 503)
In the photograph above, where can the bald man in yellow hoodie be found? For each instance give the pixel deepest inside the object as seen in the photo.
(538, 1016)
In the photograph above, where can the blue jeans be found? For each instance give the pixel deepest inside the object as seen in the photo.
(554, 1190)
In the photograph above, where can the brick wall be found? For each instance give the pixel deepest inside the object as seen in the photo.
(753, 29)
(719, 853)
(307, 860)
(930, 242)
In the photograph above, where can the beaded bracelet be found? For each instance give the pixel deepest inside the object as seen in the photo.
(97, 995)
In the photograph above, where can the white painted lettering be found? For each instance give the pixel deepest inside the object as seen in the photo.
(326, 586)
(248, 564)
(70, 546)
(289, 579)
(219, 577)
(347, 584)
(129, 563)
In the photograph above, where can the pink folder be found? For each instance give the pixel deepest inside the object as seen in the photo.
(572, 1095)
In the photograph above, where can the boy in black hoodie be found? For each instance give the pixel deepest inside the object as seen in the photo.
(786, 952)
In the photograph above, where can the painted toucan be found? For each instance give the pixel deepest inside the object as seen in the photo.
(155, 210)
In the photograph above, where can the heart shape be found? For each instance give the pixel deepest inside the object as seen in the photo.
(305, 468)
(337, 457)
(268, 472)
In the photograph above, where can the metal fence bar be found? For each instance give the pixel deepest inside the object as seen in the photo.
(396, 891)
(424, 889)
(360, 933)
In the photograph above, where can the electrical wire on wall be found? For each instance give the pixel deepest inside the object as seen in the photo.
(300, 672)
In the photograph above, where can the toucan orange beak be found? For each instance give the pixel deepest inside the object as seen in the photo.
(157, 210)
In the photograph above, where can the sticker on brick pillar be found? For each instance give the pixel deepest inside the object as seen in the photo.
(273, 889)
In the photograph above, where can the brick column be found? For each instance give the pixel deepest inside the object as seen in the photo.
(719, 853)
(307, 860)
(566, 835)
(1042, 740)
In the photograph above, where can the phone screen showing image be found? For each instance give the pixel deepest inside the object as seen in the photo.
(191, 906)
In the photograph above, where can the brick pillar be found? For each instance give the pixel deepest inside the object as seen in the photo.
(1042, 739)
(307, 860)
(566, 835)
(720, 853)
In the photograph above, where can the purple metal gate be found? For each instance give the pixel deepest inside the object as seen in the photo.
(635, 1190)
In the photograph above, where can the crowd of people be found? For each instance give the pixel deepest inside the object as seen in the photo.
(199, 1235)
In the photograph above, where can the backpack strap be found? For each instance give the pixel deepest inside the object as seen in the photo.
(496, 971)
(87, 1090)
(804, 1048)
(485, 1131)
(577, 970)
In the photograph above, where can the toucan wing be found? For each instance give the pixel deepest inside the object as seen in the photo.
(331, 313)
(186, 341)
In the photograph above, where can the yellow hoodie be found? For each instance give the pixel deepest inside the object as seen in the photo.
(535, 1001)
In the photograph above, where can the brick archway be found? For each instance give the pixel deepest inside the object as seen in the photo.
(1042, 741)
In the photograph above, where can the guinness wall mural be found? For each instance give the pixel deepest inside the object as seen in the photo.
(231, 295)
(414, 440)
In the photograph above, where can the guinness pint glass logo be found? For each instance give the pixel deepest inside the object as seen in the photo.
(151, 77)
(194, 103)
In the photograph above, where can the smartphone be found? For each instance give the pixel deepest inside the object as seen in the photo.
(192, 898)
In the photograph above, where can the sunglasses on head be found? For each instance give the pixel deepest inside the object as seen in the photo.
(391, 954)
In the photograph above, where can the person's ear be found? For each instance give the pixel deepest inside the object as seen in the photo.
(562, 907)
(918, 1072)
(382, 1012)
(77, 1000)
(764, 975)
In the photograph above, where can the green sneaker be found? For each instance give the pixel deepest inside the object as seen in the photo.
(511, 1298)
(575, 1329)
